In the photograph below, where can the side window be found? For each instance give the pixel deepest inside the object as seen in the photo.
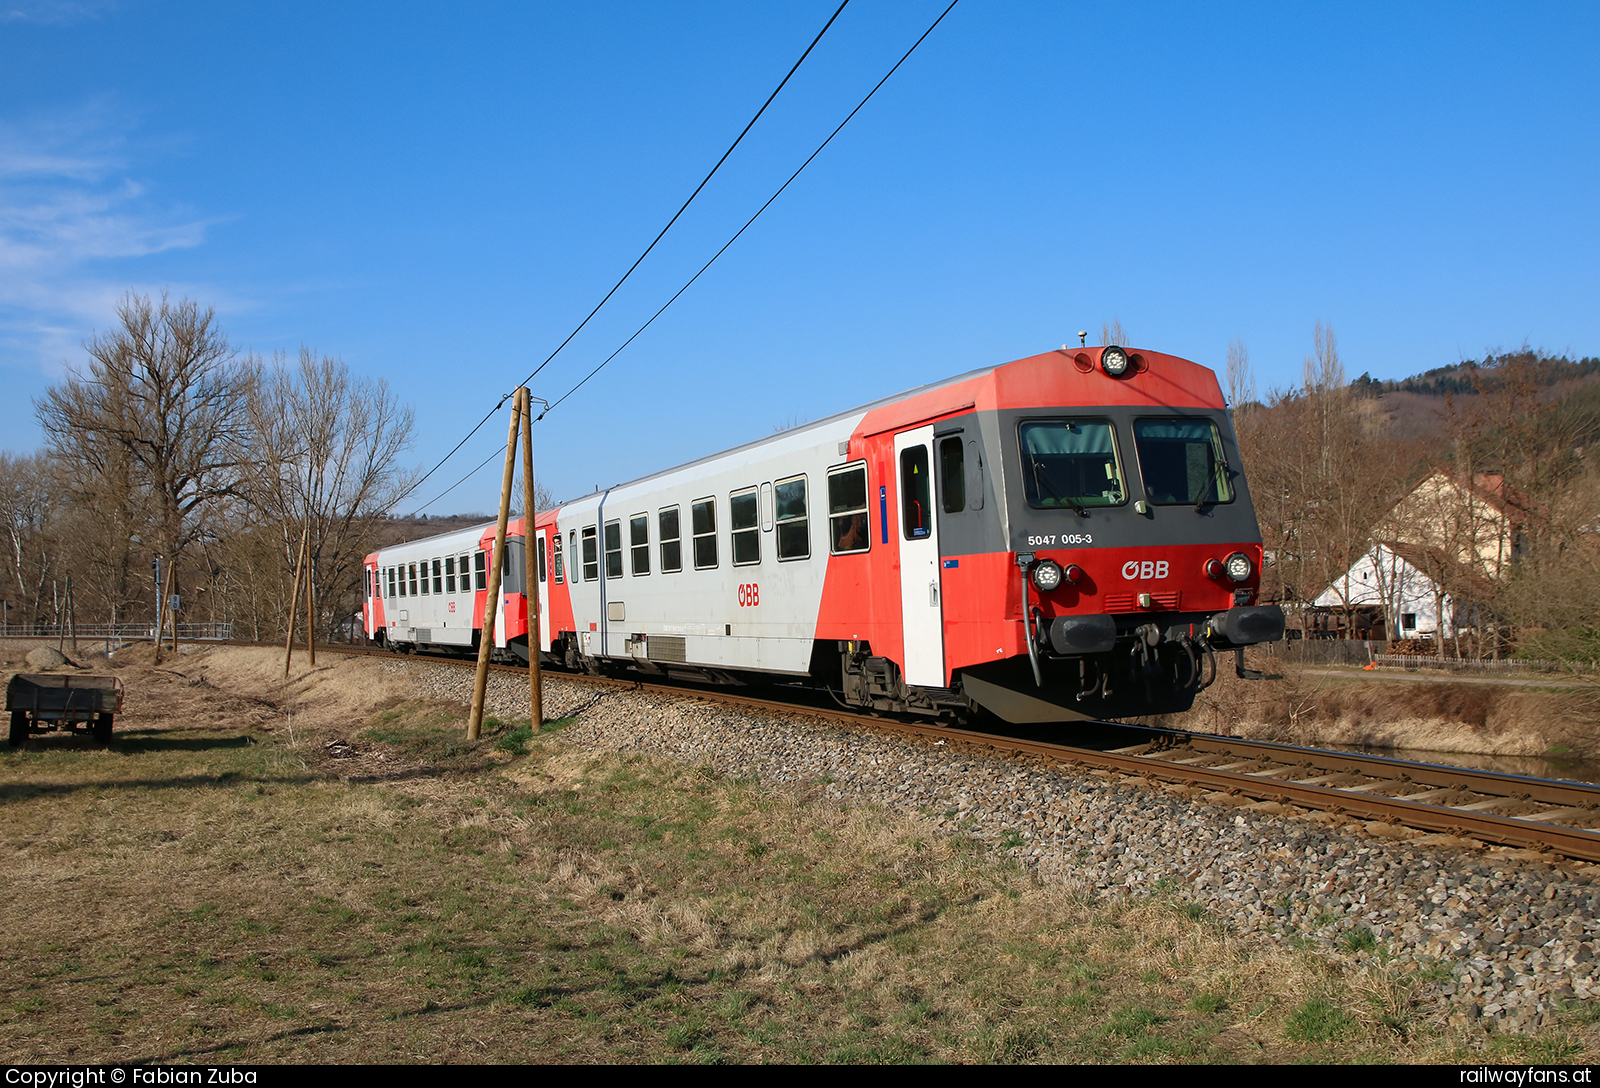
(745, 521)
(449, 574)
(480, 571)
(560, 573)
(591, 557)
(703, 515)
(639, 542)
(847, 510)
(391, 582)
(671, 542)
(613, 549)
(412, 569)
(916, 512)
(952, 475)
(438, 575)
(543, 569)
(794, 525)
(424, 577)
(463, 567)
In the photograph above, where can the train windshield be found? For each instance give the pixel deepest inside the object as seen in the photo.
(1181, 461)
(1071, 463)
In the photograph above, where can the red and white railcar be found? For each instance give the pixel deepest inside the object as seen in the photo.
(1061, 537)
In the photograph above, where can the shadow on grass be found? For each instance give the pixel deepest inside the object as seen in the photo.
(21, 791)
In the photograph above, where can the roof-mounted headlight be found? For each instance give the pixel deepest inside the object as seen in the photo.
(1115, 362)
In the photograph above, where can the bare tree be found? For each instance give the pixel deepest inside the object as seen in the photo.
(328, 450)
(1241, 379)
(27, 502)
(1111, 334)
(156, 419)
(1323, 467)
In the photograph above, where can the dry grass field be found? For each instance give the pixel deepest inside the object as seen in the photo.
(324, 871)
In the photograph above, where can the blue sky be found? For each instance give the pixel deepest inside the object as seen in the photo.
(438, 193)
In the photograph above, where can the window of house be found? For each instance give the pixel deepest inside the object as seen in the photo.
(614, 549)
(703, 523)
(671, 542)
(1408, 621)
(847, 510)
(745, 519)
(591, 555)
(794, 522)
(639, 542)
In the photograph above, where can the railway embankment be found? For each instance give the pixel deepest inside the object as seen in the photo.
(1512, 717)
(1505, 937)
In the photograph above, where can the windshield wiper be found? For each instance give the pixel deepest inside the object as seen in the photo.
(1038, 466)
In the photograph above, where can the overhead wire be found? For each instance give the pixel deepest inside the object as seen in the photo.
(647, 249)
(754, 217)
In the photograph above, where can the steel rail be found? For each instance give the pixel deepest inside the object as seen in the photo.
(1572, 842)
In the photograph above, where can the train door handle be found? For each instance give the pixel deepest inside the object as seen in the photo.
(933, 594)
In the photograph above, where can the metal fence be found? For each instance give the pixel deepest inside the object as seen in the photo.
(1454, 664)
(118, 632)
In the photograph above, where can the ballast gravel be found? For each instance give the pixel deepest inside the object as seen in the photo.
(1520, 936)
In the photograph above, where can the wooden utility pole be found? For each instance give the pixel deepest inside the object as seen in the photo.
(294, 600)
(311, 600)
(496, 562)
(534, 552)
(162, 610)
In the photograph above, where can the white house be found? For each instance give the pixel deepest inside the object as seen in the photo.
(1393, 577)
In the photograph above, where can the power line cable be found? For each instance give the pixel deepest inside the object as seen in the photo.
(492, 455)
(642, 256)
(753, 218)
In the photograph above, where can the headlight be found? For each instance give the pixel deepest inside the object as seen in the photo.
(1074, 574)
(1047, 576)
(1214, 568)
(1239, 567)
(1114, 361)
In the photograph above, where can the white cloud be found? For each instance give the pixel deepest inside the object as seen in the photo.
(69, 206)
(53, 12)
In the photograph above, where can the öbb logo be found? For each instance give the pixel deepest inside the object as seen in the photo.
(1135, 569)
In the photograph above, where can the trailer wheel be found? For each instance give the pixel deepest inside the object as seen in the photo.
(19, 728)
(101, 729)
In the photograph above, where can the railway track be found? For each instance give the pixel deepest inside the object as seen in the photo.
(1561, 818)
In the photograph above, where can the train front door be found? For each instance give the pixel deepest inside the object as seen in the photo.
(921, 603)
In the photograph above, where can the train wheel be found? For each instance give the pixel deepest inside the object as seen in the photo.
(101, 729)
(19, 728)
